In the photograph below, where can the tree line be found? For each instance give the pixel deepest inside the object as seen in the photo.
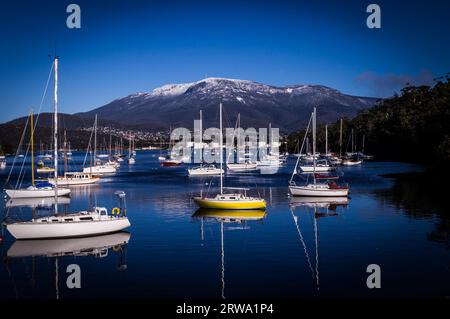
(413, 126)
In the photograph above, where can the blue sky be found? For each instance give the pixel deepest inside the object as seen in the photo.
(133, 46)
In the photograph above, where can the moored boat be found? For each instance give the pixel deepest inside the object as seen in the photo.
(205, 170)
(316, 189)
(40, 189)
(85, 223)
(228, 201)
(75, 178)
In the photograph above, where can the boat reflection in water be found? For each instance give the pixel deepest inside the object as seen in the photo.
(97, 246)
(228, 217)
(44, 202)
(320, 207)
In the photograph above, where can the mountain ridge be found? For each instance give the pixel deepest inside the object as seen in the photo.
(287, 107)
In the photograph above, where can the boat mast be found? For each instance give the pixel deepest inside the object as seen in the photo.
(301, 149)
(220, 152)
(353, 148)
(32, 148)
(201, 138)
(65, 152)
(238, 150)
(314, 145)
(55, 135)
(340, 141)
(129, 146)
(363, 143)
(326, 140)
(270, 139)
(95, 138)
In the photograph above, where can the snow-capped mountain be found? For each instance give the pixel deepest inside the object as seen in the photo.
(285, 107)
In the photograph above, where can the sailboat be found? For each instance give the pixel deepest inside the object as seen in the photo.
(99, 168)
(73, 178)
(247, 165)
(40, 188)
(270, 160)
(321, 164)
(131, 159)
(169, 161)
(41, 167)
(229, 201)
(2, 160)
(204, 170)
(352, 158)
(316, 189)
(84, 223)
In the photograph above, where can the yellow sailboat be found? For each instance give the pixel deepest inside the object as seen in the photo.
(235, 201)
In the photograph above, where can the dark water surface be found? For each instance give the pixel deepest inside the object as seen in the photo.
(399, 224)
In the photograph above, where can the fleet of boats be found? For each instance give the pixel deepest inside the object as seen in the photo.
(313, 180)
(231, 201)
(96, 221)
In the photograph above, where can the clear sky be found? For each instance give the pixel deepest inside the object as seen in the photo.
(130, 46)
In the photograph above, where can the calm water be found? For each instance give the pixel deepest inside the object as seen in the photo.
(285, 253)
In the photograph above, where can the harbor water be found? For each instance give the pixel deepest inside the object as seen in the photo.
(297, 248)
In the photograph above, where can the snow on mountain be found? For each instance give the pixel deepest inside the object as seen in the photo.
(178, 104)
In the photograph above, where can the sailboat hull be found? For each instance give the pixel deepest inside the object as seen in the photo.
(318, 169)
(312, 191)
(34, 230)
(100, 170)
(75, 179)
(212, 203)
(351, 163)
(35, 193)
(242, 167)
(206, 171)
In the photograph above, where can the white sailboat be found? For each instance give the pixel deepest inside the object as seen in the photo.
(321, 165)
(352, 158)
(351, 162)
(2, 159)
(270, 160)
(234, 201)
(99, 168)
(84, 223)
(41, 188)
(316, 189)
(131, 152)
(247, 165)
(204, 170)
(73, 178)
